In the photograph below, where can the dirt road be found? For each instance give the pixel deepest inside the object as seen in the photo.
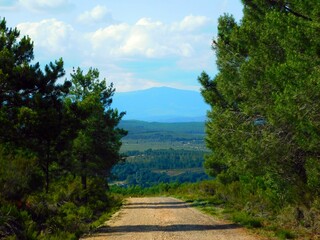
(166, 218)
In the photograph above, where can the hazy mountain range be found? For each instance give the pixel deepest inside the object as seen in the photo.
(161, 104)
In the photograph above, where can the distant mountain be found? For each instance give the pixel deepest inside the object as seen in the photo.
(161, 104)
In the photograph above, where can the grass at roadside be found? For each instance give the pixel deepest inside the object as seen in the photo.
(203, 197)
(117, 203)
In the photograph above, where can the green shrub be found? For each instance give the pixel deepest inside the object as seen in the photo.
(10, 223)
(16, 223)
(59, 235)
(313, 174)
(284, 234)
(19, 173)
(246, 220)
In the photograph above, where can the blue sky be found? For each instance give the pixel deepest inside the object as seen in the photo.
(136, 44)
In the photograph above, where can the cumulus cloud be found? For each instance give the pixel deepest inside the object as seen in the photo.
(147, 38)
(144, 39)
(109, 39)
(50, 34)
(137, 42)
(191, 23)
(113, 32)
(148, 23)
(96, 15)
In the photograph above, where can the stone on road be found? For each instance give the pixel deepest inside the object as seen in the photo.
(166, 218)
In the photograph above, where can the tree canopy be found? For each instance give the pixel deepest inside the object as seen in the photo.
(55, 135)
(264, 121)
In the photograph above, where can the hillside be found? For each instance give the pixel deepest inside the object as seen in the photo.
(162, 104)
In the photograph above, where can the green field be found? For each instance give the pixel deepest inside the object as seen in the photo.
(153, 135)
(180, 127)
(179, 171)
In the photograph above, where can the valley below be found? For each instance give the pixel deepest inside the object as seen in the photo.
(161, 153)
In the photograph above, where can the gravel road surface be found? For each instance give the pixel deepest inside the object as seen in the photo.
(166, 218)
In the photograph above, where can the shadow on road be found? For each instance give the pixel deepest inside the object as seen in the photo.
(169, 228)
(156, 207)
(155, 203)
(160, 205)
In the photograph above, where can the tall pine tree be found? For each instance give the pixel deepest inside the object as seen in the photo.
(97, 144)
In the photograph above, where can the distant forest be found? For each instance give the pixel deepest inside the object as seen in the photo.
(151, 167)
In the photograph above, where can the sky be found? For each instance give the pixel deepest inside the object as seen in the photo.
(135, 44)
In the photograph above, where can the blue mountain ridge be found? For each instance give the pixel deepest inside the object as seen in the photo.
(161, 104)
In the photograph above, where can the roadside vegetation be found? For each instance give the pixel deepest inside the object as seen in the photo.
(263, 127)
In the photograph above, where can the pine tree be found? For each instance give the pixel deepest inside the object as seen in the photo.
(97, 144)
(264, 121)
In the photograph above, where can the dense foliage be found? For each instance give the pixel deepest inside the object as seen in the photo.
(58, 143)
(152, 167)
(264, 125)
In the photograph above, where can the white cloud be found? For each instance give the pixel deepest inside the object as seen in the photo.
(137, 43)
(50, 34)
(107, 40)
(147, 22)
(113, 32)
(147, 38)
(191, 23)
(97, 14)
(45, 5)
